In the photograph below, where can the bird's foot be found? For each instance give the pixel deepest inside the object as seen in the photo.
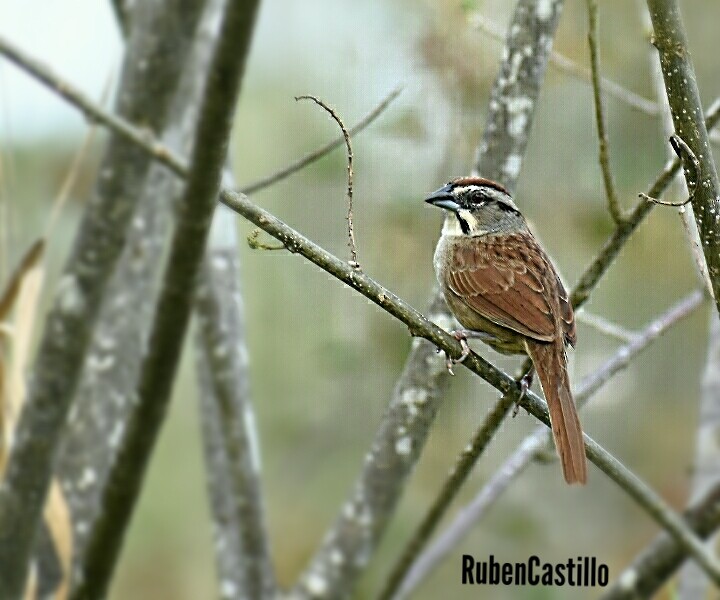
(461, 335)
(525, 384)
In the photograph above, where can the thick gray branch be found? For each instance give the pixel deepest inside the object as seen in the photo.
(106, 393)
(175, 299)
(516, 90)
(125, 319)
(151, 70)
(692, 583)
(684, 99)
(230, 438)
(706, 474)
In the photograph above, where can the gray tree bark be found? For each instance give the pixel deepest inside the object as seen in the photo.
(150, 73)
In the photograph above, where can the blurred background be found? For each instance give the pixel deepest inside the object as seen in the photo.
(323, 359)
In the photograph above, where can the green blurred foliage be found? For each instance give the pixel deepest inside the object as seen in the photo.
(324, 360)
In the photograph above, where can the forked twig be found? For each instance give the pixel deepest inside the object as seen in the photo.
(351, 230)
(267, 180)
(692, 170)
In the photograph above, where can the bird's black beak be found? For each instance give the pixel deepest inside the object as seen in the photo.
(443, 198)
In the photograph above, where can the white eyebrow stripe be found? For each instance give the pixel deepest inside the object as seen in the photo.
(465, 188)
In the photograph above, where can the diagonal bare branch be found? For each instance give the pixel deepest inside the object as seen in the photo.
(663, 556)
(419, 325)
(459, 474)
(498, 484)
(145, 139)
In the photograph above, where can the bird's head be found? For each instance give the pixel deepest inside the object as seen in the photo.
(480, 205)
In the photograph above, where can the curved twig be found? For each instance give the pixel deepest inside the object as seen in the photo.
(351, 230)
(268, 180)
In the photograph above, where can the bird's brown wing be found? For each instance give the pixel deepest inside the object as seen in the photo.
(566, 314)
(508, 279)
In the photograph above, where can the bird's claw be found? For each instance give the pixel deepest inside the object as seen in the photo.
(451, 362)
(525, 383)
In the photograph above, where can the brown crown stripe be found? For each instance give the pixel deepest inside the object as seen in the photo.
(460, 181)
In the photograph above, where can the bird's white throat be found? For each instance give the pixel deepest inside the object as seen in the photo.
(451, 226)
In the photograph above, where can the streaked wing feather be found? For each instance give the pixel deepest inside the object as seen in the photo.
(566, 314)
(511, 294)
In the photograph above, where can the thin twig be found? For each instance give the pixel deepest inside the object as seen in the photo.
(612, 199)
(635, 488)
(692, 172)
(570, 67)
(145, 140)
(351, 230)
(606, 326)
(92, 110)
(315, 155)
(664, 202)
(536, 442)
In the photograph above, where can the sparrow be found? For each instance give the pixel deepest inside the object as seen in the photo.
(502, 288)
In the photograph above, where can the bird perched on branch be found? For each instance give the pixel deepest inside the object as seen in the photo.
(502, 288)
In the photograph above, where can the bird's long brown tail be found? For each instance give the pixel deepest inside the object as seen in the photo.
(551, 366)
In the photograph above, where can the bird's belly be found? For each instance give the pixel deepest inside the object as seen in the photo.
(499, 338)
